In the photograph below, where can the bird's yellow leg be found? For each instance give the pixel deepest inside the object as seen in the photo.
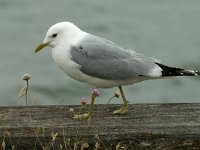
(124, 108)
(89, 114)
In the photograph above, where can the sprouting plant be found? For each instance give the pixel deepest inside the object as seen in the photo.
(116, 94)
(117, 147)
(84, 101)
(24, 90)
(97, 145)
(71, 110)
(26, 77)
(84, 146)
(54, 135)
(3, 145)
(95, 92)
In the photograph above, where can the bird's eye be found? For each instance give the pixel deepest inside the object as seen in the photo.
(54, 35)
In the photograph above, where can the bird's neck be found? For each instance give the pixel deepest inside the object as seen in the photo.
(62, 52)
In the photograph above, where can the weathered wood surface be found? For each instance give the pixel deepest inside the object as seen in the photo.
(145, 126)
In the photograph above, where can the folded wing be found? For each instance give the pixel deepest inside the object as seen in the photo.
(104, 59)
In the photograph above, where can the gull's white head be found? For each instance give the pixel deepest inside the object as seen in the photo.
(57, 33)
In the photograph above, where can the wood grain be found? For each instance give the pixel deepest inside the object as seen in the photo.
(145, 126)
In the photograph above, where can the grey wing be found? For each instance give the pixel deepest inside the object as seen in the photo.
(104, 59)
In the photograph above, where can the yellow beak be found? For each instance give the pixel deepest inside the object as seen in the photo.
(40, 47)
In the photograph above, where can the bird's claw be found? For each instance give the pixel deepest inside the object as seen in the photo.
(83, 117)
(122, 110)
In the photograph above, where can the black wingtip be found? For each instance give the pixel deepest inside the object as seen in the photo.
(197, 72)
(172, 71)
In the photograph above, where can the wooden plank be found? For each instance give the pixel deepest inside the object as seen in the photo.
(145, 126)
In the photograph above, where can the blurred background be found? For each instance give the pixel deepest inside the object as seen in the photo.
(168, 30)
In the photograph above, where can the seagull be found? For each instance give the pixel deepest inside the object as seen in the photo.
(102, 63)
